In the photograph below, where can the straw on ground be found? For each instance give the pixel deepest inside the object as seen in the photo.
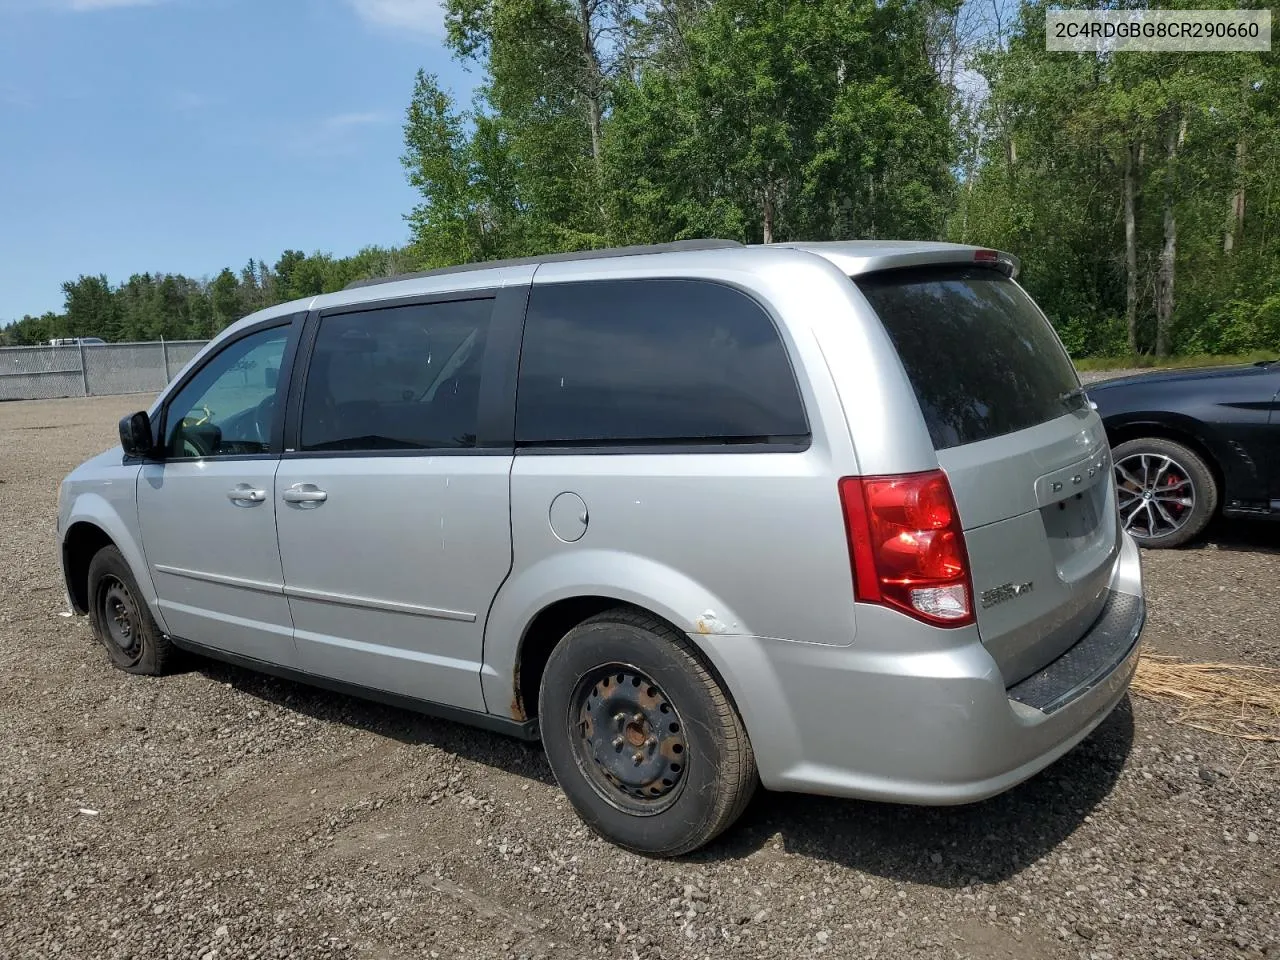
(1232, 699)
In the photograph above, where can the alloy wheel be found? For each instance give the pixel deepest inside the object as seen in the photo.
(1155, 493)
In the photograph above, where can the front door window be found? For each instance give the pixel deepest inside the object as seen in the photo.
(228, 407)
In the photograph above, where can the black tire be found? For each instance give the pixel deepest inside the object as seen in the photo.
(121, 620)
(700, 735)
(1190, 474)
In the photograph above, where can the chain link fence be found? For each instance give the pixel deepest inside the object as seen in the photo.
(91, 370)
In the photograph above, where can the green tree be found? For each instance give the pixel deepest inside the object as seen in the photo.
(225, 300)
(32, 331)
(90, 309)
(1123, 181)
(779, 120)
(548, 61)
(468, 209)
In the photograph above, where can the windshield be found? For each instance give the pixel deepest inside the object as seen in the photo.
(980, 355)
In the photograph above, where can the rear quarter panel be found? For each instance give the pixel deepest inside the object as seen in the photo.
(722, 544)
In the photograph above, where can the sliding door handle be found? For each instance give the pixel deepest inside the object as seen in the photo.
(304, 493)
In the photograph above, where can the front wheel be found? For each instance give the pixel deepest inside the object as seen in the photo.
(641, 736)
(120, 618)
(1166, 493)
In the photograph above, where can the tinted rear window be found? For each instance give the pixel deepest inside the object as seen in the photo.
(653, 361)
(980, 356)
(396, 378)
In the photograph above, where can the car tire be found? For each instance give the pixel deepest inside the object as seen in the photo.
(121, 619)
(1170, 467)
(642, 737)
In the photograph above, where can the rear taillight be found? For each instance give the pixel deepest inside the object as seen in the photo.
(907, 547)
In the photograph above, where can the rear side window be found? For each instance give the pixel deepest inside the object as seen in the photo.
(981, 357)
(653, 361)
(399, 378)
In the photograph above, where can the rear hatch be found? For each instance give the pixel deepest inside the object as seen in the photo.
(1026, 456)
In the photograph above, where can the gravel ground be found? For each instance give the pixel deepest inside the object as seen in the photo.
(219, 814)
(1097, 376)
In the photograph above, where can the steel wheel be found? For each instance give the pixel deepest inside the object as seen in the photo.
(641, 736)
(118, 614)
(630, 739)
(120, 619)
(1156, 495)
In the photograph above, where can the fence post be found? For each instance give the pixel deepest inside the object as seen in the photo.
(84, 372)
(164, 350)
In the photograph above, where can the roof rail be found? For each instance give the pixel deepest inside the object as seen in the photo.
(600, 254)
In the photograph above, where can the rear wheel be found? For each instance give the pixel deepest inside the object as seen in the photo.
(120, 618)
(641, 736)
(1166, 493)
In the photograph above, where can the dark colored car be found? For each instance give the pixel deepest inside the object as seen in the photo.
(1187, 444)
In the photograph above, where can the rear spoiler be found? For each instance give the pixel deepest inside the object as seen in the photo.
(1006, 263)
(957, 255)
(854, 259)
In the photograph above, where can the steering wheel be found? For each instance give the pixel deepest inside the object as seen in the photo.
(190, 443)
(261, 419)
(192, 446)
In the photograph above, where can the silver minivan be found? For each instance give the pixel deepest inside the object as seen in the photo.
(827, 517)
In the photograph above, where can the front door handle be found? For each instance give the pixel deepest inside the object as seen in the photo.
(243, 493)
(304, 493)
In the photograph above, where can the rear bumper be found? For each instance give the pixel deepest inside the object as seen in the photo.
(921, 715)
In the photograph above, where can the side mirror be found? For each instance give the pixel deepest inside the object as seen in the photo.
(135, 434)
(272, 375)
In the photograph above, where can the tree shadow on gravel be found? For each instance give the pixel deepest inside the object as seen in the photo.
(942, 846)
(469, 743)
(1240, 536)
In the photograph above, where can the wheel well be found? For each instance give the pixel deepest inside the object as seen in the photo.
(548, 629)
(1137, 431)
(80, 544)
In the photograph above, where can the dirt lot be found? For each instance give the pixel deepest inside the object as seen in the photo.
(220, 814)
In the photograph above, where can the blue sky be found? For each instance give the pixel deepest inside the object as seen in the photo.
(187, 135)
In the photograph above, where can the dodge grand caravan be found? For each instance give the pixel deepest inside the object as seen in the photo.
(830, 517)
